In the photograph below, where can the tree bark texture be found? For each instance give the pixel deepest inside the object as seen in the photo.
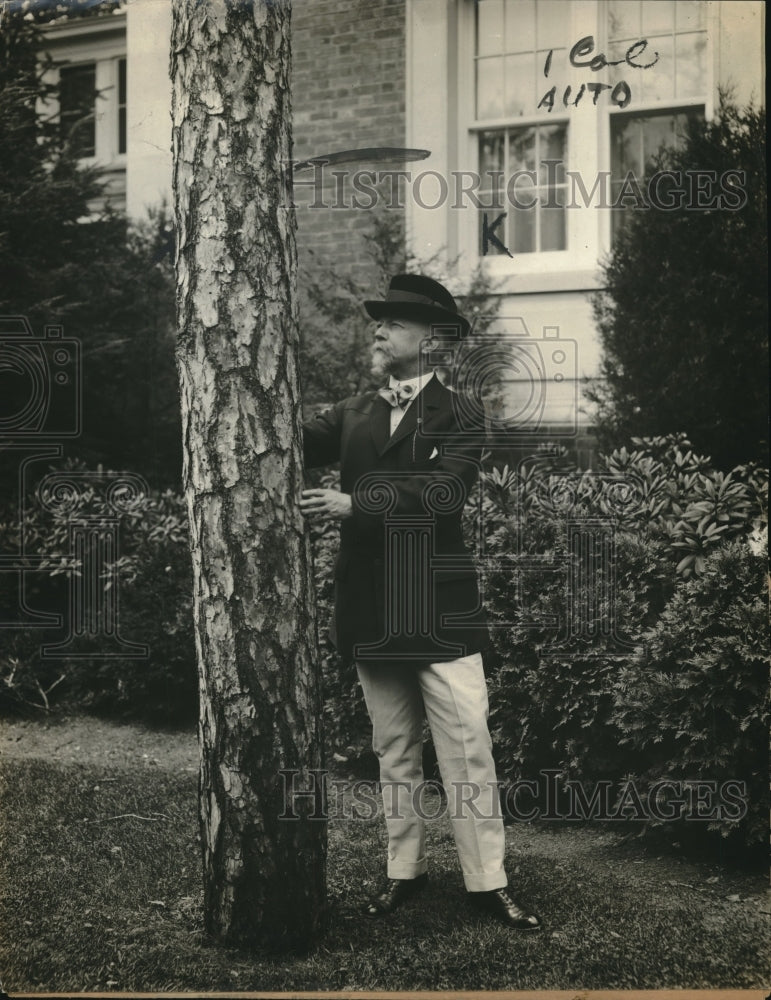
(237, 355)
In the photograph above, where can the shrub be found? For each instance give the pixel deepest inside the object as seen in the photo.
(648, 525)
(677, 682)
(552, 694)
(683, 313)
(694, 705)
(152, 572)
(155, 584)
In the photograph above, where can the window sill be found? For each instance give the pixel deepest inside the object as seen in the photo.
(117, 162)
(568, 278)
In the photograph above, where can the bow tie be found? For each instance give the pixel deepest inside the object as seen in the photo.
(399, 396)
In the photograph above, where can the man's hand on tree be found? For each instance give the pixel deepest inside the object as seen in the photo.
(326, 503)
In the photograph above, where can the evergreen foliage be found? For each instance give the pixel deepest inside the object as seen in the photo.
(68, 259)
(683, 314)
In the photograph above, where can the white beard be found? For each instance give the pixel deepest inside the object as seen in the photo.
(381, 364)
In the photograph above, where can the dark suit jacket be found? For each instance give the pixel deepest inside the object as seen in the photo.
(405, 586)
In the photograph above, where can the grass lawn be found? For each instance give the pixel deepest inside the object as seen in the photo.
(100, 890)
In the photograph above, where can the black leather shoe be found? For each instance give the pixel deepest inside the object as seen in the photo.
(393, 894)
(502, 905)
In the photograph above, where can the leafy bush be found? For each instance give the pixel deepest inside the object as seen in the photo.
(677, 682)
(579, 625)
(552, 695)
(694, 705)
(155, 585)
(152, 573)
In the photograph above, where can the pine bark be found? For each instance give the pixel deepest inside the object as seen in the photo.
(260, 707)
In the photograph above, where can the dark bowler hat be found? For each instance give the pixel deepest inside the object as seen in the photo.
(413, 296)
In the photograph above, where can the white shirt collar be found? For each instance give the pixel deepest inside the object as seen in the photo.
(417, 383)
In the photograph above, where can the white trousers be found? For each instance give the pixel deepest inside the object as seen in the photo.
(453, 696)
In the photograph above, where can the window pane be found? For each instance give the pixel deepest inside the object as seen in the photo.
(522, 239)
(491, 151)
(520, 84)
(635, 141)
(623, 19)
(553, 222)
(657, 16)
(553, 23)
(634, 144)
(559, 58)
(553, 140)
(522, 149)
(521, 191)
(658, 133)
(626, 146)
(490, 87)
(520, 25)
(691, 15)
(489, 27)
(77, 98)
(657, 83)
(616, 53)
(691, 76)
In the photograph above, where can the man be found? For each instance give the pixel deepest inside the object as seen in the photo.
(407, 606)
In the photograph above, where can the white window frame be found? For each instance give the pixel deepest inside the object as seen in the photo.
(100, 42)
(550, 270)
(647, 108)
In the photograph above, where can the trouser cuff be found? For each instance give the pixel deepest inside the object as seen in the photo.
(485, 882)
(406, 869)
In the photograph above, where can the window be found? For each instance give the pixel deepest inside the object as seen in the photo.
(525, 168)
(635, 141)
(92, 107)
(677, 33)
(521, 164)
(77, 101)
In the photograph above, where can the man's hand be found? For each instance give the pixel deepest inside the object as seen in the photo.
(326, 503)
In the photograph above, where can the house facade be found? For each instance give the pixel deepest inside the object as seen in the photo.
(506, 133)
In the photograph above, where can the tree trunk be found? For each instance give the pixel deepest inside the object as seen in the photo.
(237, 354)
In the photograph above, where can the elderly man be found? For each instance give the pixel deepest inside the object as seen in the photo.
(407, 606)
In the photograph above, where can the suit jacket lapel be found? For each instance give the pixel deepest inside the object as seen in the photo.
(428, 400)
(380, 423)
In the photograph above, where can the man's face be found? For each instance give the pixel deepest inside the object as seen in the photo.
(396, 350)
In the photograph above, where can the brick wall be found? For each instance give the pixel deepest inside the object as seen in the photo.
(348, 93)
